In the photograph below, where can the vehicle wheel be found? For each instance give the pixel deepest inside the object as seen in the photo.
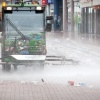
(15, 67)
(6, 67)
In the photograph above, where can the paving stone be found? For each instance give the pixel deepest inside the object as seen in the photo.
(46, 91)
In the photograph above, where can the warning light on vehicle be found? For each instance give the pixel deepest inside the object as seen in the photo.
(38, 8)
(3, 4)
(44, 2)
(35, 2)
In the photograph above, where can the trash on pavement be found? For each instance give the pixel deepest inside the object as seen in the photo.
(71, 83)
(82, 84)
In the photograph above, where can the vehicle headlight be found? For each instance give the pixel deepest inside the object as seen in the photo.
(38, 8)
(9, 8)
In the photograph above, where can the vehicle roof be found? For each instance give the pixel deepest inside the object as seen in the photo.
(20, 5)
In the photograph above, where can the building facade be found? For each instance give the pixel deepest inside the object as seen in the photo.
(90, 19)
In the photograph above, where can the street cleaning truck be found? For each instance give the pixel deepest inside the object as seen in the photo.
(24, 27)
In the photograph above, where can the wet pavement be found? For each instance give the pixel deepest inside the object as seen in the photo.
(20, 90)
(25, 84)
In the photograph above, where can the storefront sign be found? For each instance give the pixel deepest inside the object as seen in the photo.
(85, 1)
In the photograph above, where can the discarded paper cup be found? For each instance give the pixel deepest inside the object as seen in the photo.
(71, 83)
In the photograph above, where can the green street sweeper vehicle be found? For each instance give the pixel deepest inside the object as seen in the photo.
(23, 35)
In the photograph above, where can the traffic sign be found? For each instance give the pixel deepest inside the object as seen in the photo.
(50, 1)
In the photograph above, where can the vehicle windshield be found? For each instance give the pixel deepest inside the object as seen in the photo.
(25, 23)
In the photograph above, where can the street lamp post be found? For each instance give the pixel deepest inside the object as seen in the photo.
(64, 18)
(72, 19)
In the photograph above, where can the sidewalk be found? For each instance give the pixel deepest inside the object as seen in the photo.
(15, 90)
(47, 90)
(87, 41)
